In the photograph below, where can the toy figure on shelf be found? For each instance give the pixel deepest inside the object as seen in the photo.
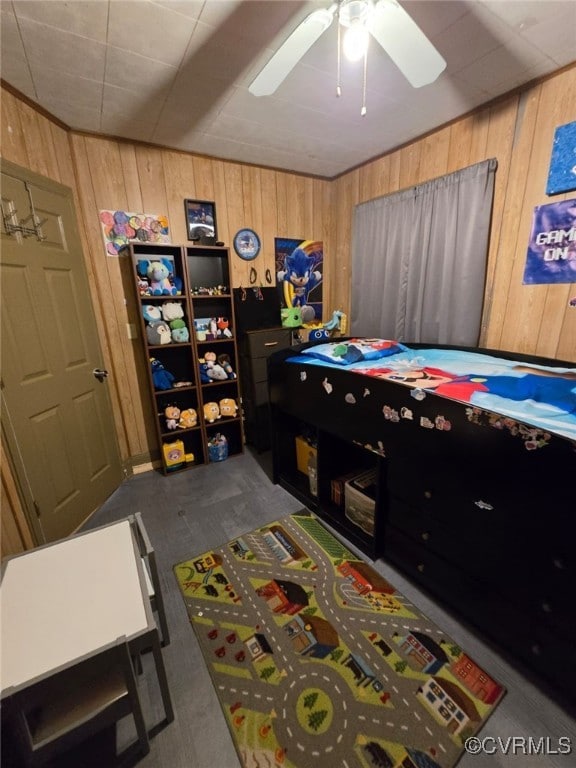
(172, 416)
(222, 324)
(226, 364)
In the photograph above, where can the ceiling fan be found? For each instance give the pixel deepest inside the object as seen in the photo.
(385, 20)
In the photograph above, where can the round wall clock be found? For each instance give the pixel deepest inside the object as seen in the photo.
(247, 244)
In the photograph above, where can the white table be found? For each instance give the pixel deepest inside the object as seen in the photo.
(64, 601)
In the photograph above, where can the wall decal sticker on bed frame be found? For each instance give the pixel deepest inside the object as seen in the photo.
(299, 268)
(552, 248)
(562, 174)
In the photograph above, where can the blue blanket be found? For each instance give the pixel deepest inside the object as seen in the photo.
(542, 396)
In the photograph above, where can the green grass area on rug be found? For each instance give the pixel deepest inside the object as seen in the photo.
(314, 655)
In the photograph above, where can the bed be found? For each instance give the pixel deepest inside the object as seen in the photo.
(475, 452)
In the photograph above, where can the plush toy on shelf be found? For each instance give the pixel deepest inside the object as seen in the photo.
(188, 419)
(212, 369)
(179, 331)
(146, 275)
(151, 313)
(172, 310)
(222, 324)
(158, 332)
(172, 416)
(161, 378)
(228, 407)
(159, 276)
(226, 364)
(211, 412)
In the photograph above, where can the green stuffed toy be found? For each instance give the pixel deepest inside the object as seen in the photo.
(291, 317)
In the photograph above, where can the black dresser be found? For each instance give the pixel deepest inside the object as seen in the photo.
(254, 349)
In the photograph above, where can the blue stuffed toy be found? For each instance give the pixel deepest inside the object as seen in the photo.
(159, 276)
(151, 313)
(162, 378)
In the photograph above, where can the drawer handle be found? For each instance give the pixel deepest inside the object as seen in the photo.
(270, 343)
(425, 536)
(546, 607)
(420, 567)
(427, 494)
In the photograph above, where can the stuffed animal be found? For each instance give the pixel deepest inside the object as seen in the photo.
(211, 412)
(204, 378)
(172, 310)
(224, 361)
(188, 418)
(180, 331)
(158, 333)
(228, 407)
(172, 415)
(217, 373)
(161, 378)
(151, 313)
(158, 275)
(222, 324)
(214, 370)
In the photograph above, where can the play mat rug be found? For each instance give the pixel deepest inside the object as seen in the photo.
(318, 660)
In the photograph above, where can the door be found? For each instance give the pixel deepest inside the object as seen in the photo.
(56, 414)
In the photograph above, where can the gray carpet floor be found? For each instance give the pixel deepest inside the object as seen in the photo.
(191, 512)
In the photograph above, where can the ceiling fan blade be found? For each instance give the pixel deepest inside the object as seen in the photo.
(405, 43)
(291, 51)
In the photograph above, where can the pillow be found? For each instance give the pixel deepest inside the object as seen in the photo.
(354, 350)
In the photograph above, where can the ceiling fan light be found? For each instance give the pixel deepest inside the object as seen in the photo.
(355, 42)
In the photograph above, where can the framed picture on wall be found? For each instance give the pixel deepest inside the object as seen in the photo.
(201, 221)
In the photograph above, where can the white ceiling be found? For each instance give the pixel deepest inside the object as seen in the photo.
(176, 73)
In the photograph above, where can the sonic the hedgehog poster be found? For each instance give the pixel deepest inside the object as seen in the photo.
(299, 267)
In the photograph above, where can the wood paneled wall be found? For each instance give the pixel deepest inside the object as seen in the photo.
(108, 174)
(518, 132)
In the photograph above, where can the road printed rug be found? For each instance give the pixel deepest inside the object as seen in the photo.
(318, 660)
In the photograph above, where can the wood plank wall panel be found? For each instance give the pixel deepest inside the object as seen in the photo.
(518, 132)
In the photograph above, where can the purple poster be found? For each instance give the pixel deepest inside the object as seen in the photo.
(552, 248)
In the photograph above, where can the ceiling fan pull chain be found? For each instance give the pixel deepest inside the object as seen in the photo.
(365, 77)
(338, 86)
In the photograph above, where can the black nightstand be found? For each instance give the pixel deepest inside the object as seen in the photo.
(254, 349)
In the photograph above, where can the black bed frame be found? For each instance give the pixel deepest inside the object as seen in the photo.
(474, 514)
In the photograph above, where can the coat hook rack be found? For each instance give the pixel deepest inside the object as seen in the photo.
(12, 225)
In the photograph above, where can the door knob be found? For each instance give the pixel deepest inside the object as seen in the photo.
(100, 374)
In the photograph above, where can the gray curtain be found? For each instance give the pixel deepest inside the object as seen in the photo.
(419, 260)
